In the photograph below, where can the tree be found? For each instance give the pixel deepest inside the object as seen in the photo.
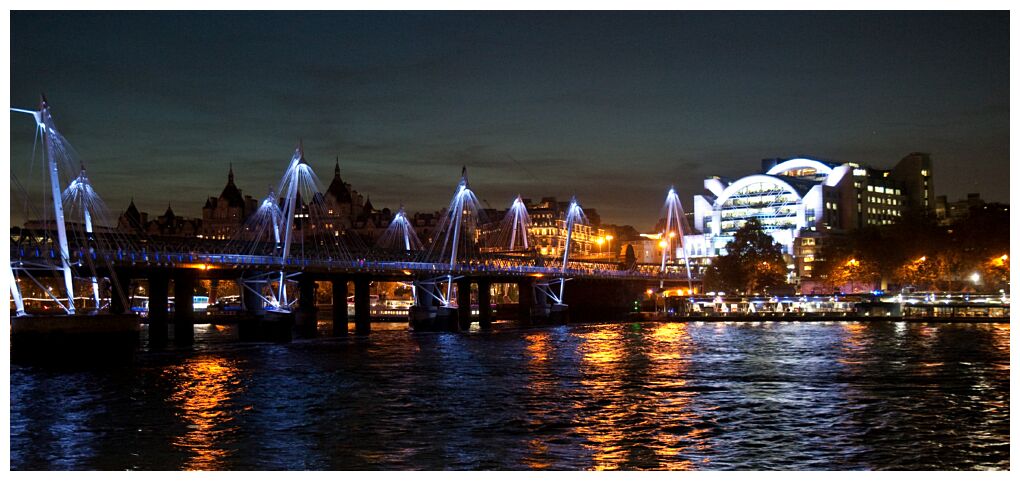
(846, 262)
(995, 273)
(753, 263)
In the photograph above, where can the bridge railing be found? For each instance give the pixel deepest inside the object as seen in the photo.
(488, 263)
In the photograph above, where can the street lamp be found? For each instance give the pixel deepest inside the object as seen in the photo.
(609, 245)
(852, 263)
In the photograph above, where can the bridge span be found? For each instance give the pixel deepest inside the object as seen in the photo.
(279, 250)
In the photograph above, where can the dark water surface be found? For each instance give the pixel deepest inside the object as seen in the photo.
(634, 396)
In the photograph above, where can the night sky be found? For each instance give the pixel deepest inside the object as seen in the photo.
(611, 107)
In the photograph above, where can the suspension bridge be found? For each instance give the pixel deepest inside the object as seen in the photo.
(278, 259)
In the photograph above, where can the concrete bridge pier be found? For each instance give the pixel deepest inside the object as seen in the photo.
(184, 308)
(159, 292)
(525, 301)
(305, 322)
(464, 303)
(214, 286)
(252, 303)
(423, 312)
(117, 298)
(340, 306)
(485, 304)
(362, 305)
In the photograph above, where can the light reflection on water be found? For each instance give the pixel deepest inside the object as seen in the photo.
(676, 396)
(204, 388)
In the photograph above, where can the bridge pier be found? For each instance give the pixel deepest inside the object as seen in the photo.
(362, 305)
(525, 301)
(252, 303)
(184, 308)
(116, 300)
(159, 291)
(305, 317)
(485, 304)
(340, 306)
(214, 285)
(464, 303)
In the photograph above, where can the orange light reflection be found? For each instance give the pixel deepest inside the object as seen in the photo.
(204, 389)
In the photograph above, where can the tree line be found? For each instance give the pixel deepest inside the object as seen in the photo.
(972, 254)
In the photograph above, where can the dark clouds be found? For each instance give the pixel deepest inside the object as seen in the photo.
(611, 107)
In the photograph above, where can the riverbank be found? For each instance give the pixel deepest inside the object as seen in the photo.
(808, 317)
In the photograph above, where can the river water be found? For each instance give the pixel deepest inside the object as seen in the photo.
(614, 396)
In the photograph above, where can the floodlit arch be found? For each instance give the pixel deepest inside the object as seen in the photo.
(800, 163)
(755, 179)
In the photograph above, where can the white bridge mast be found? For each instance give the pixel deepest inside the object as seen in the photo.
(44, 123)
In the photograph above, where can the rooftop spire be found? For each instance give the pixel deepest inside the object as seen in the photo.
(336, 170)
(230, 174)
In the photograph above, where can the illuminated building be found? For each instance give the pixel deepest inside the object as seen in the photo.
(224, 216)
(807, 198)
(548, 229)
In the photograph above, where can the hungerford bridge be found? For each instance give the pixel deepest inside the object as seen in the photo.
(272, 256)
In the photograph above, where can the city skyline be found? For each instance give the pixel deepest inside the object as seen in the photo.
(614, 109)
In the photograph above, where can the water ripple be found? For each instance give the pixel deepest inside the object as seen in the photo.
(624, 396)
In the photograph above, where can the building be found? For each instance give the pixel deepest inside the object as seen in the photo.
(548, 230)
(132, 221)
(224, 216)
(371, 223)
(343, 205)
(807, 251)
(547, 233)
(425, 225)
(167, 225)
(172, 225)
(948, 213)
(804, 197)
(647, 249)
